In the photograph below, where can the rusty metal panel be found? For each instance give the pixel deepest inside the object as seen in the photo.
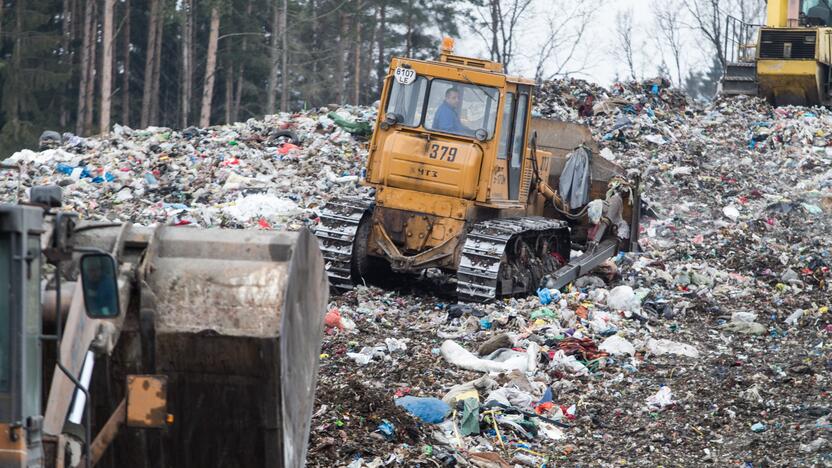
(229, 282)
(561, 138)
(12, 447)
(147, 404)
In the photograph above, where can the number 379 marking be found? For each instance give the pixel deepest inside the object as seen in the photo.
(443, 153)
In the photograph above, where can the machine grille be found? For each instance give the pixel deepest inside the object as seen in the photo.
(797, 45)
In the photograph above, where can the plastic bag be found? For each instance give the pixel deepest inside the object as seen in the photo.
(662, 399)
(575, 179)
(623, 298)
(429, 410)
(618, 346)
(661, 347)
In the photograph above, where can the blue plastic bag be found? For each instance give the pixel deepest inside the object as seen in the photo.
(547, 296)
(387, 429)
(65, 168)
(429, 410)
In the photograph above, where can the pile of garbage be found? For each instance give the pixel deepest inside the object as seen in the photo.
(576, 100)
(269, 174)
(709, 347)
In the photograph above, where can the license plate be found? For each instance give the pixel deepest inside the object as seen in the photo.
(405, 76)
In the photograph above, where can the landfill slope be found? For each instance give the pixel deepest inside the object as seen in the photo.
(245, 175)
(711, 347)
(715, 350)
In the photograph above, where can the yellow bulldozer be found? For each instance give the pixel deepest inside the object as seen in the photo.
(154, 347)
(787, 61)
(466, 181)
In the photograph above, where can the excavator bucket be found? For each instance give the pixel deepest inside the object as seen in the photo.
(238, 322)
(234, 319)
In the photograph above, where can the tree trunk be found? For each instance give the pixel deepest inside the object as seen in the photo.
(238, 93)
(14, 73)
(495, 27)
(284, 79)
(125, 85)
(313, 54)
(187, 78)
(381, 64)
(408, 44)
(677, 58)
(157, 71)
(229, 90)
(275, 61)
(366, 94)
(90, 91)
(150, 56)
(210, 68)
(340, 48)
(66, 56)
(86, 42)
(106, 67)
(356, 87)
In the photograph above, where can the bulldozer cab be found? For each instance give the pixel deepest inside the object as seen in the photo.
(816, 13)
(455, 127)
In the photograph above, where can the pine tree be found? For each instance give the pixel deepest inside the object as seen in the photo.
(33, 76)
(52, 58)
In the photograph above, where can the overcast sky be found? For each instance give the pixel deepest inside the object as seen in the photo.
(601, 66)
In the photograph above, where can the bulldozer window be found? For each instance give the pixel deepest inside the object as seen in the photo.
(816, 12)
(508, 111)
(461, 109)
(517, 146)
(407, 102)
(807, 5)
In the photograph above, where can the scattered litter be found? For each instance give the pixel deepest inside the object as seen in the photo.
(727, 300)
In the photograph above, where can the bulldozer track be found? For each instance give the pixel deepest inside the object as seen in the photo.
(336, 234)
(489, 269)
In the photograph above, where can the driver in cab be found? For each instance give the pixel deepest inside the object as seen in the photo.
(447, 115)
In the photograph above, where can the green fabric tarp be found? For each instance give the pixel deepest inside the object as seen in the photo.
(356, 128)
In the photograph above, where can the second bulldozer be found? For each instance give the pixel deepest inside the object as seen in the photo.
(466, 181)
(787, 61)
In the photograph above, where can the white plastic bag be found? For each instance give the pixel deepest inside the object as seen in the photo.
(568, 363)
(661, 347)
(623, 298)
(618, 346)
(662, 399)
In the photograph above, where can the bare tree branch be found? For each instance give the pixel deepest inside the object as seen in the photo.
(499, 26)
(708, 19)
(667, 16)
(567, 23)
(623, 47)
